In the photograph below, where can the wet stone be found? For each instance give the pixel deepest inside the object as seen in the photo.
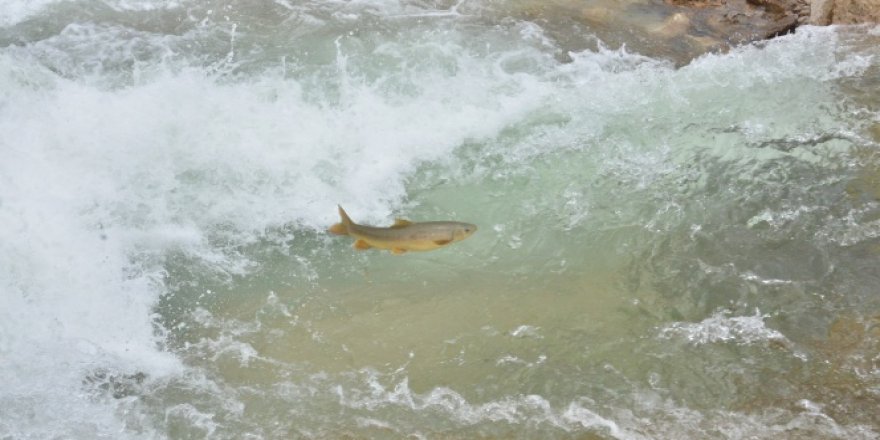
(677, 30)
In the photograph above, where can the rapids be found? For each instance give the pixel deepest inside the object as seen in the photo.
(664, 252)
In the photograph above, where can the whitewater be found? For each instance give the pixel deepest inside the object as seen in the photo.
(664, 251)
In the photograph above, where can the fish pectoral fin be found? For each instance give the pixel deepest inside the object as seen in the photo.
(442, 242)
(400, 223)
(361, 245)
(398, 251)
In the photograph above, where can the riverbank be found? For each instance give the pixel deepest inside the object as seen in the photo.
(681, 30)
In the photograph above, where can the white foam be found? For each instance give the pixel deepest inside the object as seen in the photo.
(100, 182)
(15, 11)
(143, 5)
(534, 410)
(649, 415)
(721, 327)
(526, 331)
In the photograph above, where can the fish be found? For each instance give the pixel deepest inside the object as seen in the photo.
(403, 236)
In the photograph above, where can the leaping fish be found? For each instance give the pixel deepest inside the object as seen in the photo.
(403, 235)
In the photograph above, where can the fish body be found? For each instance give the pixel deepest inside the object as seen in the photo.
(404, 235)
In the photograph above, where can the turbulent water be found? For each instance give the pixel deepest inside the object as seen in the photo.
(663, 252)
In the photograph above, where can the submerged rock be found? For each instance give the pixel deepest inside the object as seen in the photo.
(825, 12)
(676, 25)
(739, 21)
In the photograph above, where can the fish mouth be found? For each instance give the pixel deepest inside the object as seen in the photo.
(468, 229)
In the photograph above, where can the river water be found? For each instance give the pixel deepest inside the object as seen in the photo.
(664, 252)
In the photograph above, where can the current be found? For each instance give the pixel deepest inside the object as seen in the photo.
(665, 251)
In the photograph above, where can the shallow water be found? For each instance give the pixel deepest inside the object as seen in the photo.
(663, 252)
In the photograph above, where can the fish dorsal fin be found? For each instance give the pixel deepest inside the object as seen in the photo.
(400, 223)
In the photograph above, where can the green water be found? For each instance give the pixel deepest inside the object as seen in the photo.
(663, 252)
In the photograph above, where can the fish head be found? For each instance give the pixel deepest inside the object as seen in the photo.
(463, 230)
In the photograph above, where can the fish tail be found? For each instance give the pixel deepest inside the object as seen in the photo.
(342, 227)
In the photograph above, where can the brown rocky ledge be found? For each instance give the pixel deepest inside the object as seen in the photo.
(779, 14)
(680, 30)
(738, 21)
(732, 22)
(824, 12)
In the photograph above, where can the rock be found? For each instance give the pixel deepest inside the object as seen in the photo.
(696, 3)
(825, 12)
(674, 26)
(597, 14)
(680, 30)
(743, 21)
(820, 12)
